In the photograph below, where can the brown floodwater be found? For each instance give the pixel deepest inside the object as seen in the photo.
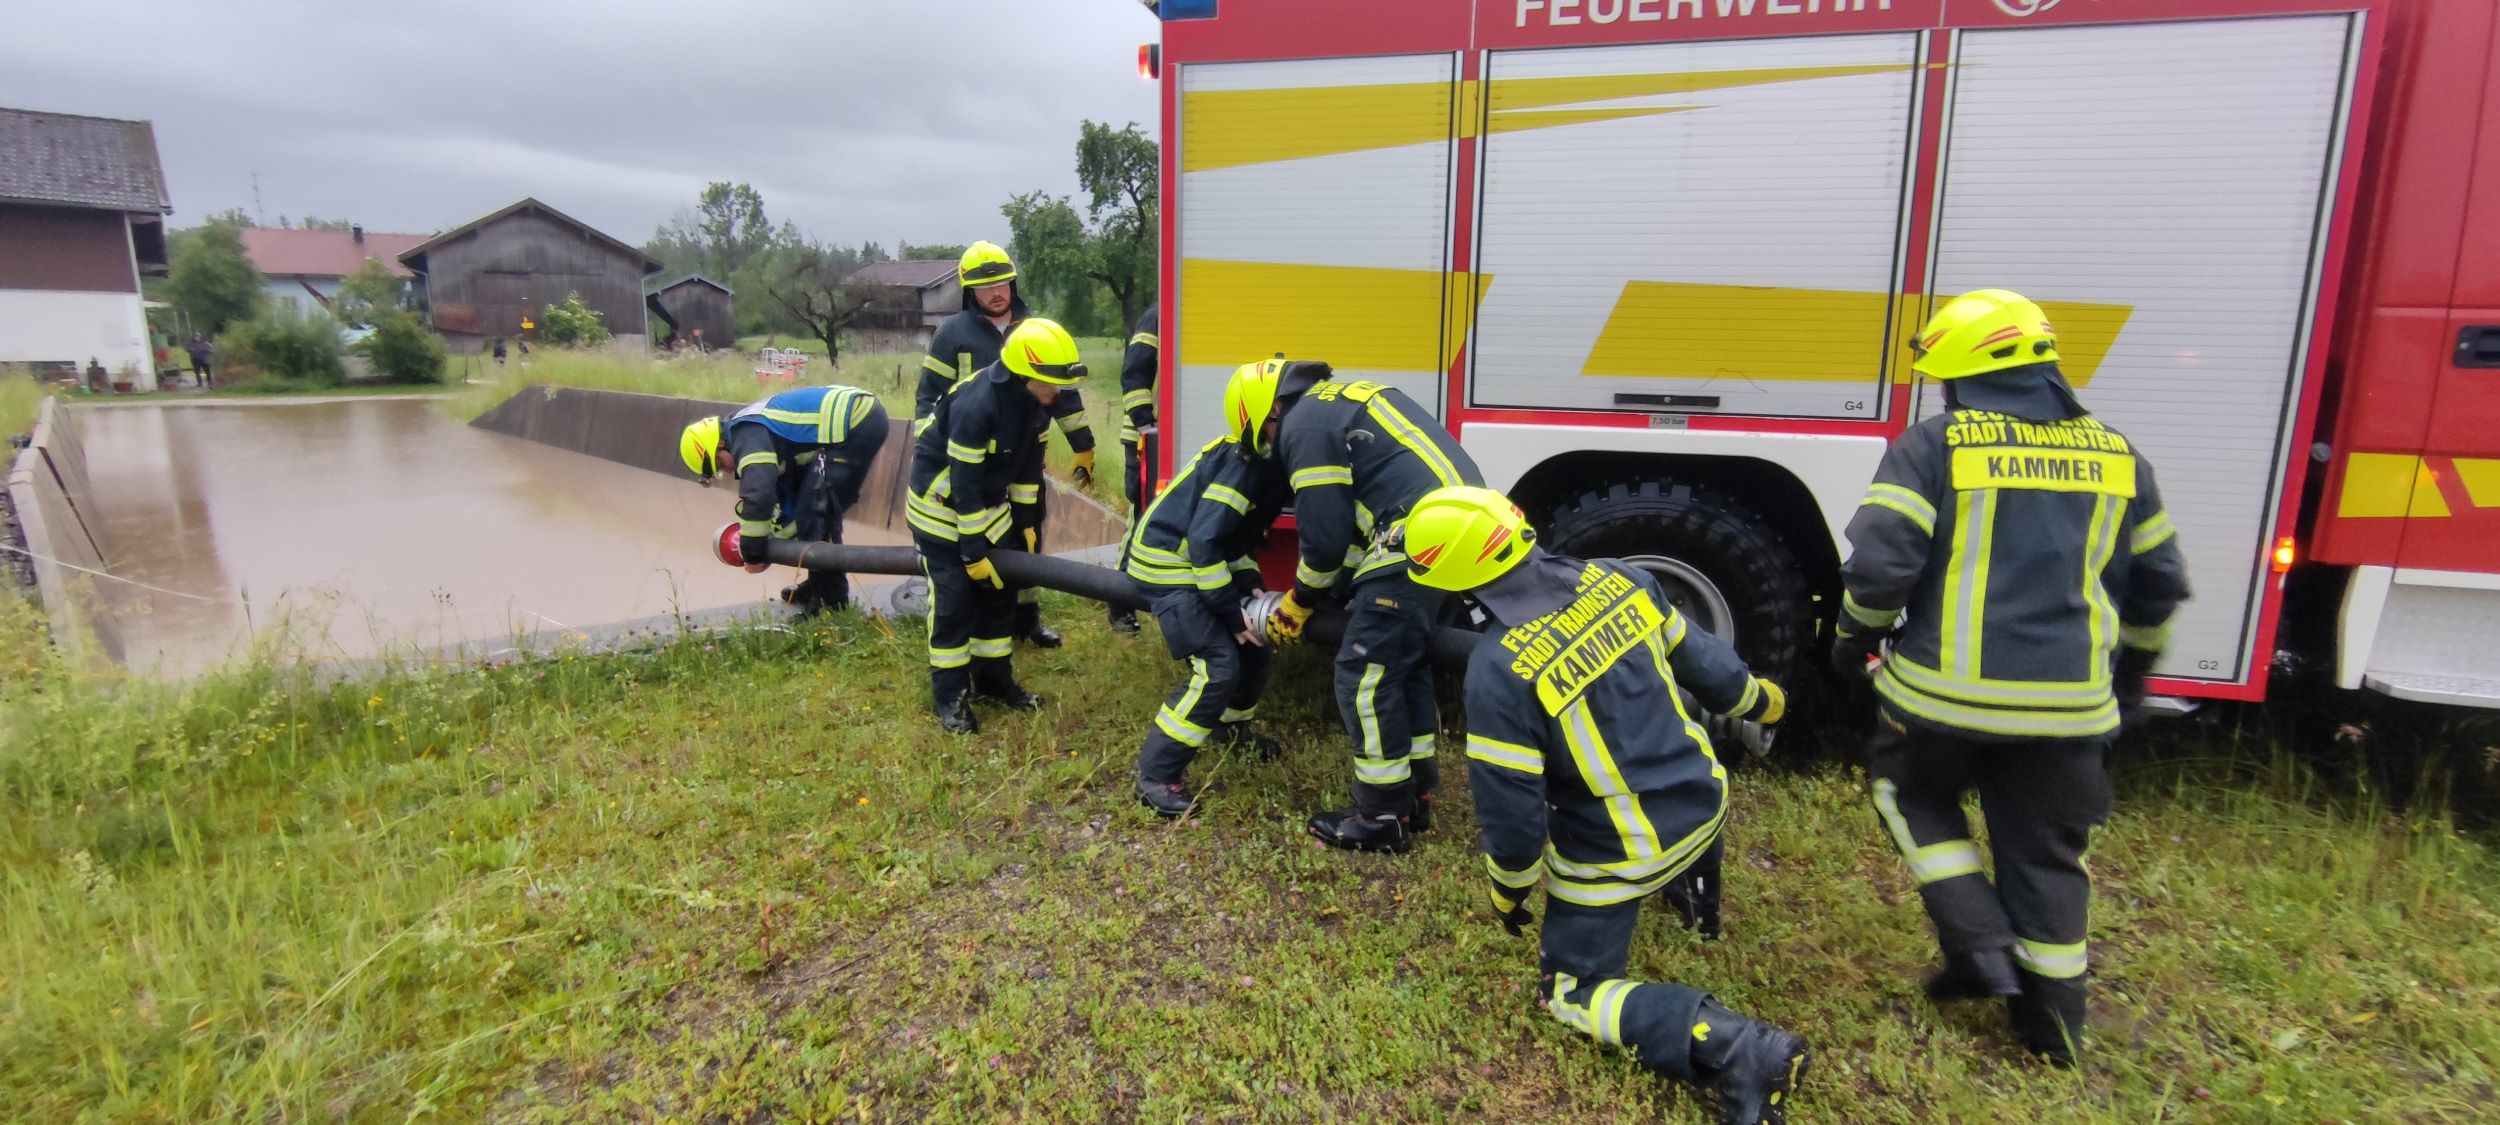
(360, 527)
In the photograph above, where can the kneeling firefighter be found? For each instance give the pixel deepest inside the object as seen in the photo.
(979, 457)
(1592, 777)
(2011, 685)
(800, 458)
(1190, 554)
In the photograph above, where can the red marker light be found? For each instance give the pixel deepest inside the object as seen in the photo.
(2286, 552)
(1149, 61)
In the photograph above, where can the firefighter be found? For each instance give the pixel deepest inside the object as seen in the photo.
(1357, 456)
(967, 343)
(2014, 552)
(1592, 776)
(1139, 369)
(800, 458)
(1190, 554)
(974, 461)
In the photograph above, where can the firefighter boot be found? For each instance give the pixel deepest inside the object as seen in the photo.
(2048, 1015)
(1169, 799)
(1987, 974)
(1029, 627)
(1750, 1066)
(1123, 621)
(954, 713)
(995, 681)
(1378, 822)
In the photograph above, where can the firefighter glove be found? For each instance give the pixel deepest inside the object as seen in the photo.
(1085, 467)
(983, 570)
(1850, 652)
(1285, 625)
(2134, 664)
(1512, 913)
(1773, 706)
(1033, 539)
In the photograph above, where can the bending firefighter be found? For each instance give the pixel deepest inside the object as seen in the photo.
(1592, 776)
(1191, 556)
(975, 460)
(1358, 456)
(2015, 553)
(966, 344)
(800, 458)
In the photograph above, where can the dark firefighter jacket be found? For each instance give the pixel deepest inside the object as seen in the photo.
(967, 343)
(1201, 530)
(769, 442)
(1356, 456)
(1138, 371)
(2024, 542)
(1589, 769)
(976, 458)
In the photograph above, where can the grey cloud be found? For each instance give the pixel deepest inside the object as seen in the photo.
(857, 120)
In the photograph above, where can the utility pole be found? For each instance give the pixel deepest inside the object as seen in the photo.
(259, 217)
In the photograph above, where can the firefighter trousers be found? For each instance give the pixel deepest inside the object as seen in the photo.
(1584, 955)
(1385, 690)
(2043, 799)
(969, 623)
(1225, 680)
(1134, 480)
(827, 491)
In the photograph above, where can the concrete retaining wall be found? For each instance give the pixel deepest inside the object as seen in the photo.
(641, 431)
(48, 487)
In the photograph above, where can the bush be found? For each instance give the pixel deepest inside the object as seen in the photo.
(402, 350)
(571, 325)
(288, 345)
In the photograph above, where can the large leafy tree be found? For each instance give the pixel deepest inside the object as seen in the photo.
(1120, 170)
(371, 290)
(1053, 263)
(213, 279)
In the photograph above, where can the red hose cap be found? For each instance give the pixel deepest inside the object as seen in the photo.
(725, 545)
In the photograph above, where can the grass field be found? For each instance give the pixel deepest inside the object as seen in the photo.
(742, 878)
(21, 397)
(730, 378)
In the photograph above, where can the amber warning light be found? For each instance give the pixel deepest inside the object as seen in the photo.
(1150, 61)
(2286, 552)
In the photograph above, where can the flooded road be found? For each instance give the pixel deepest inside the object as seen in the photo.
(367, 526)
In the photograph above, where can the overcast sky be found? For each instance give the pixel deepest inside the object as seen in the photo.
(858, 119)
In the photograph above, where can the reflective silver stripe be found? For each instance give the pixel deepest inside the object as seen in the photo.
(1988, 720)
(1422, 746)
(1145, 339)
(1936, 863)
(1872, 618)
(755, 529)
(2151, 638)
(1606, 782)
(967, 454)
(1317, 580)
(931, 364)
(992, 646)
(1966, 582)
(1135, 399)
(1910, 505)
(1023, 493)
(2154, 531)
(1508, 755)
(1414, 439)
(760, 457)
(2054, 961)
(1392, 772)
(2101, 612)
(1229, 497)
(1319, 476)
(2046, 694)
(1520, 880)
(1367, 714)
(1174, 717)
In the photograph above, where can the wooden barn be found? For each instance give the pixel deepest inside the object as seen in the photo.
(481, 280)
(695, 309)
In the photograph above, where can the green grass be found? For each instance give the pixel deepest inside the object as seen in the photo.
(21, 398)
(730, 378)
(743, 878)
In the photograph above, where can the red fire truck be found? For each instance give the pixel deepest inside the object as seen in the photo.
(1654, 262)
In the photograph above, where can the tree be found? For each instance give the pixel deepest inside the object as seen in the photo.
(213, 279)
(286, 344)
(1119, 170)
(817, 289)
(571, 324)
(1053, 266)
(931, 253)
(730, 217)
(402, 350)
(230, 217)
(372, 289)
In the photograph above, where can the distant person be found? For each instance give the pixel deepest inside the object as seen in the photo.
(799, 458)
(97, 377)
(499, 351)
(698, 342)
(203, 361)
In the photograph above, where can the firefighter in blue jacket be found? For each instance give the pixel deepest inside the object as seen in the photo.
(974, 463)
(966, 344)
(2015, 551)
(1190, 553)
(1593, 777)
(800, 458)
(1357, 456)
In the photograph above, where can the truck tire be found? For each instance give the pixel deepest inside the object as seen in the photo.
(1724, 568)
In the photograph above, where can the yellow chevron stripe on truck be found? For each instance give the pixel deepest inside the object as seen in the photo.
(1677, 330)
(1231, 128)
(1354, 317)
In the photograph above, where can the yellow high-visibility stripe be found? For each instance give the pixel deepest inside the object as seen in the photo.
(1024, 493)
(1147, 339)
(967, 454)
(2041, 723)
(1984, 692)
(2053, 960)
(1367, 714)
(990, 648)
(2150, 638)
(1508, 755)
(1910, 505)
(1173, 717)
(2152, 532)
(761, 457)
(1321, 476)
(755, 529)
(1519, 880)
(1315, 579)
(2109, 514)
(1871, 618)
(1229, 497)
(1412, 437)
(932, 364)
(1134, 399)
(1966, 582)
(1605, 781)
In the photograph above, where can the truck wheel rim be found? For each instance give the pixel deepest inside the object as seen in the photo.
(1692, 593)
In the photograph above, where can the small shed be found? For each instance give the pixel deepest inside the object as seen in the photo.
(917, 295)
(696, 308)
(484, 278)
